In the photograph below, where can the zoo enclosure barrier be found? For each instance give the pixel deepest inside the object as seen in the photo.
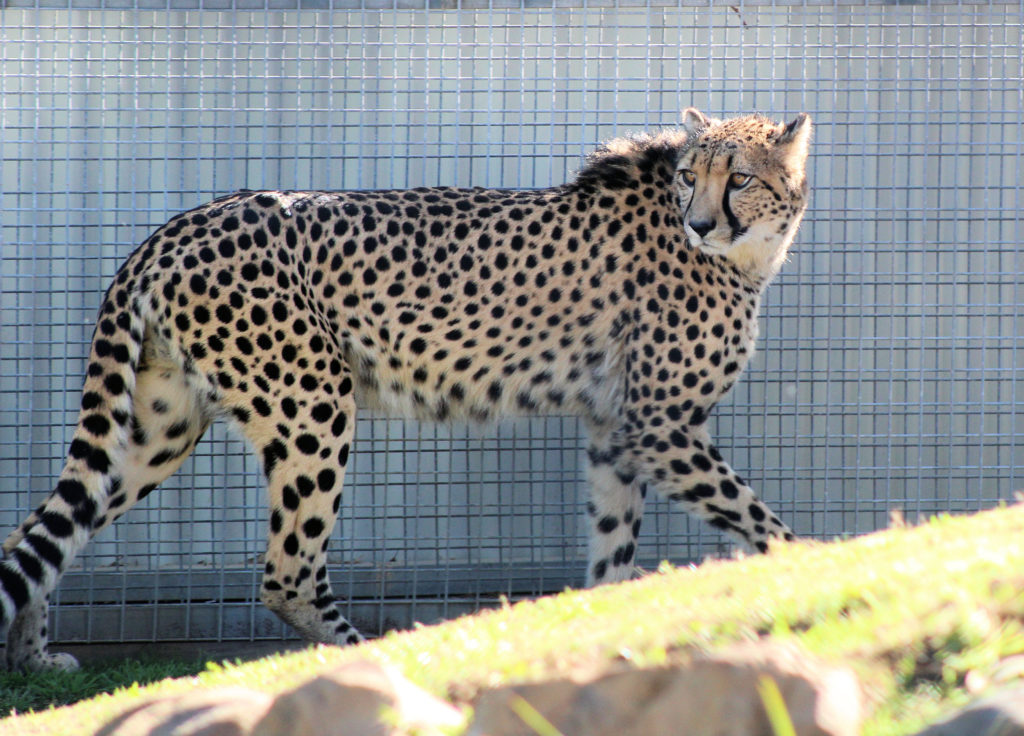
(887, 368)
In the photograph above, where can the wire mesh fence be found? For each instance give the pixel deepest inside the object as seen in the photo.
(886, 373)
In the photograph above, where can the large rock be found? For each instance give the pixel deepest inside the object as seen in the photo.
(717, 696)
(1001, 714)
(361, 699)
(221, 712)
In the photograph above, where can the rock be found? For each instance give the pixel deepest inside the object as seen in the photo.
(717, 696)
(221, 712)
(1001, 714)
(360, 699)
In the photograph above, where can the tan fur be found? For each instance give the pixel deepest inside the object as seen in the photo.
(287, 312)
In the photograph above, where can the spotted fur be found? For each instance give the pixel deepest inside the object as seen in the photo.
(628, 297)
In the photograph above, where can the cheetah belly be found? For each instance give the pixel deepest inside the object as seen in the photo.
(464, 386)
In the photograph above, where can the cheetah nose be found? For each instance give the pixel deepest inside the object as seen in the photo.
(702, 227)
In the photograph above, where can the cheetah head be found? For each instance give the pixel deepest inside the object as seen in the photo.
(743, 187)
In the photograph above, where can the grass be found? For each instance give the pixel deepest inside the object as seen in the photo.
(912, 611)
(20, 693)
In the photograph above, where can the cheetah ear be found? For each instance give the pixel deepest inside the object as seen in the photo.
(795, 139)
(694, 121)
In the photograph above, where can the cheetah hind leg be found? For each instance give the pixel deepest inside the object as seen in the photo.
(168, 420)
(304, 464)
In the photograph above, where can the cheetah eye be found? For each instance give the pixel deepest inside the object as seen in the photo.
(688, 177)
(738, 181)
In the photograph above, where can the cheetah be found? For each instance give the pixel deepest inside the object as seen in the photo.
(627, 297)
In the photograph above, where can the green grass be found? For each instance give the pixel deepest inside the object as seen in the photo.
(20, 693)
(912, 611)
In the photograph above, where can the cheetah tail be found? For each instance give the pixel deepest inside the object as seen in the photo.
(35, 555)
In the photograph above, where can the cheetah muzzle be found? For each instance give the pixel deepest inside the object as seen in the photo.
(628, 297)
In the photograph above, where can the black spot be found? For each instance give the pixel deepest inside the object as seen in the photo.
(678, 466)
(325, 479)
(121, 354)
(98, 461)
(309, 383)
(322, 412)
(729, 489)
(114, 384)
(177, 429)
(608, 524)
(91, 400)
(79, 449)
(627, 553)
(225, 315)
(307, 444)
(202, 314)
(274, 451)
(276, 523)
(291, 545)
(339, 424)
(703, 490)
(162, 457)
(313, 527)
(701, 461)
(306, 485)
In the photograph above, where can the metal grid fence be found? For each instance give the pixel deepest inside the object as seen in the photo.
(886, 373)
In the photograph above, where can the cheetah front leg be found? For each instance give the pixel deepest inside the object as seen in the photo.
(615, 511)
(686, 468)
